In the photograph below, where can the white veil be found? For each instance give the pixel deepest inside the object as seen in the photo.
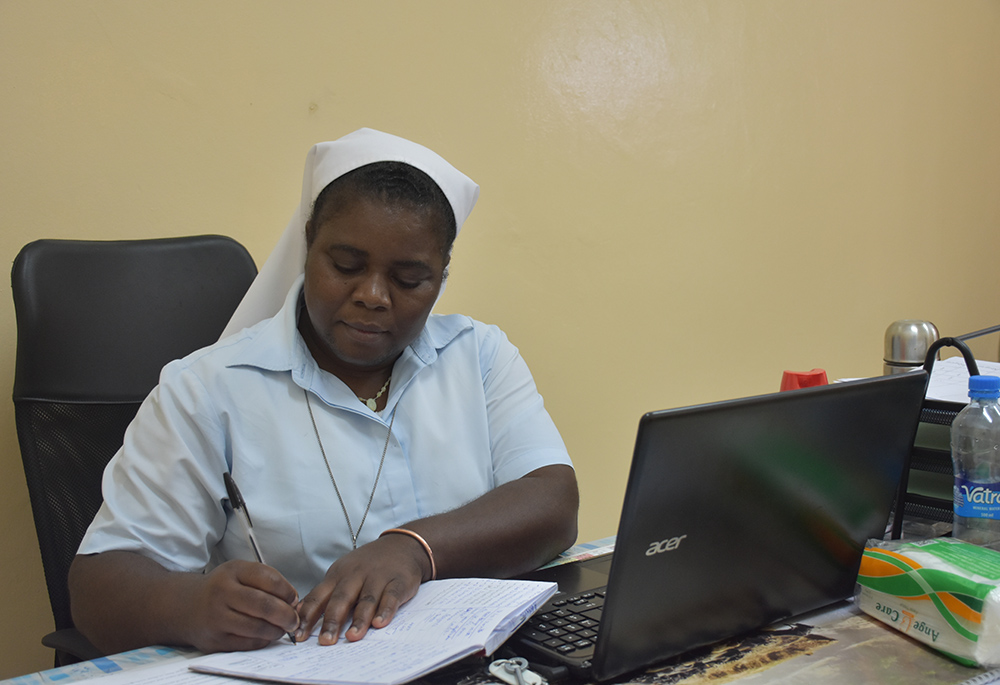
(325, 163)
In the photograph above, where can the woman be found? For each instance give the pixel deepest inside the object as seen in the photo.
(376, 446)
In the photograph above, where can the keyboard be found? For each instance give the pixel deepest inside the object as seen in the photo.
(564, 630)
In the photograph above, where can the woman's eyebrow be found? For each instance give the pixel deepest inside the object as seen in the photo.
(348, 248)
(399, 263)
(411, 264)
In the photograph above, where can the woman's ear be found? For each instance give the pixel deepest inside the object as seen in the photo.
(310, 233)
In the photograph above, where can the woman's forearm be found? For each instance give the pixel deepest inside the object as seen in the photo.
(509, 530)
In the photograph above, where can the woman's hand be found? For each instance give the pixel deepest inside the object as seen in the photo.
(365, 587)
(240, 605)
(123, 600)
(509, 530)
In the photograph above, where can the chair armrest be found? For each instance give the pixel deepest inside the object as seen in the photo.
(71, 646)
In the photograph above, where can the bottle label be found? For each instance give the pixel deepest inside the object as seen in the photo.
(977, 500)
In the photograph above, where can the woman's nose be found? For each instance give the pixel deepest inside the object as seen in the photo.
(373, 291)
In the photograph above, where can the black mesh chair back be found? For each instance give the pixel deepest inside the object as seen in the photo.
(96, 321)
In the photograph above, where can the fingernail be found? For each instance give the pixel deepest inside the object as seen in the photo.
(327, 637)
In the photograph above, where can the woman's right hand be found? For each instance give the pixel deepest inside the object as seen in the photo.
(238, 606)
(123, 600)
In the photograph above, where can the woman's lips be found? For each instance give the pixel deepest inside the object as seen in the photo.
(364, 331)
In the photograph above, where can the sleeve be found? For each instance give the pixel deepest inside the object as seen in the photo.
(163, 489)
(523, 436)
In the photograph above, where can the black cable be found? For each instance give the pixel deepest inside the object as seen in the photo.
(976, 334)
(970, 361)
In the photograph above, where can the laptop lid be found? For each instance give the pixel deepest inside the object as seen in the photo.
(741, 513)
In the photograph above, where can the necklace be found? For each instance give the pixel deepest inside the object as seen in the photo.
(371, 498)
(372, 402)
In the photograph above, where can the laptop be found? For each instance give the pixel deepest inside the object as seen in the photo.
(737, 514)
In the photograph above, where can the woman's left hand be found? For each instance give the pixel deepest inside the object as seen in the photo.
(365, 587)
(509, 530)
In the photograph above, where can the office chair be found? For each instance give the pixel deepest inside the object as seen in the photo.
(96, 321)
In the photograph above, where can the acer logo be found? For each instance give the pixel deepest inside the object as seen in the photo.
(667, 545)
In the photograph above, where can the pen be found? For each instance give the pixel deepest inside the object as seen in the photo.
(239, 506)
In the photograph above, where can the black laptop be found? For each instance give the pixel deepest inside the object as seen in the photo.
(737, 514)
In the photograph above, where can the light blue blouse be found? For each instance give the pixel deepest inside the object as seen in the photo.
(467, 419)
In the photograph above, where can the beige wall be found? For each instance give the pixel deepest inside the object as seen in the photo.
(680, 199)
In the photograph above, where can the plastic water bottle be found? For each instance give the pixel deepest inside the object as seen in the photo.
(975, 454)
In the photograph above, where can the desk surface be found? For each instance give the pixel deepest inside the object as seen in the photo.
(838, 645)
(830, 647)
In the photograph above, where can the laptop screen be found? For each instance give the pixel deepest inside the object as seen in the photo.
(741, 513)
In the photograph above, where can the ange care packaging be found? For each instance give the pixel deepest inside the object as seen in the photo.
(942, 592)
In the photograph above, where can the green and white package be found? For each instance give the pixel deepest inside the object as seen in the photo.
(942, 592)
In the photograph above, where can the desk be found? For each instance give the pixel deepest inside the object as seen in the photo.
(842, 646)
(832, 646)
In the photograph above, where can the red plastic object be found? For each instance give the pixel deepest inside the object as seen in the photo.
(793, 380)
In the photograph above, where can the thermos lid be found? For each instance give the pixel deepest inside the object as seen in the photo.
(907, 341)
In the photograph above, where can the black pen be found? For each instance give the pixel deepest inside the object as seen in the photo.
(239, 506)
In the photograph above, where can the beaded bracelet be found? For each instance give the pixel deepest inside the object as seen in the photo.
(423, 543)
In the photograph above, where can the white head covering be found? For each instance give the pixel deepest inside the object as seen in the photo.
(325, 163)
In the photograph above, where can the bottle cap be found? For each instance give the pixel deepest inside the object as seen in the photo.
(981, 387)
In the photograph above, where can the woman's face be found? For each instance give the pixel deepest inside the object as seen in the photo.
(372, 275)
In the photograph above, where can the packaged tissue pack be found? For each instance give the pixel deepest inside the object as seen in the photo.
(942, 592)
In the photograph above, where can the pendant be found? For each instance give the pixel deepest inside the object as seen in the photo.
(371, 403)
